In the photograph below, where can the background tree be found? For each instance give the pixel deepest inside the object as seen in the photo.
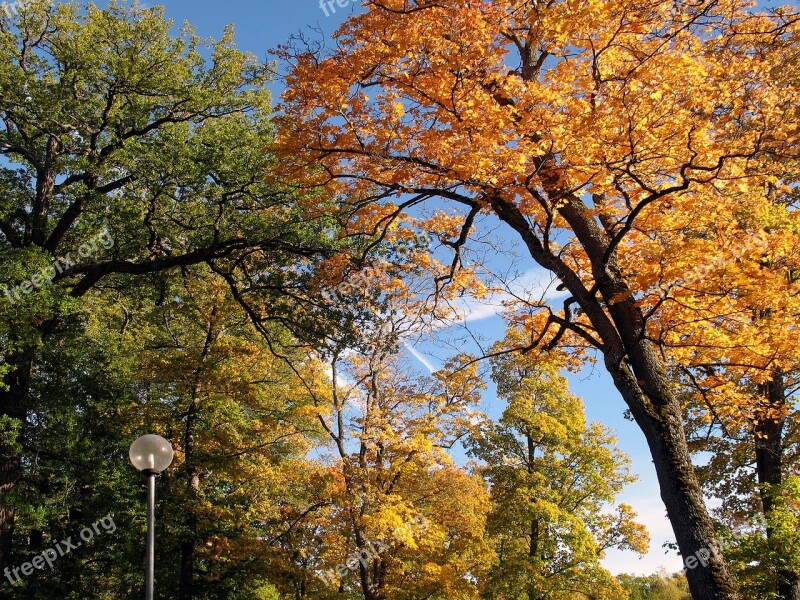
(415, 515)
(755, 516)
(723, 329)
(239, 420)
(659, 586)
(552, 478)
(194, 370)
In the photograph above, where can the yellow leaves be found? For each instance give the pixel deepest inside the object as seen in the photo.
(451, 60)
(399, 489)
(397, 524)
(331, 270)
(312, 411)
(370, 217)
(444, 224)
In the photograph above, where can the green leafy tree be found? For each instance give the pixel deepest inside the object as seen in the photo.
(194, 370)
(237, 416)
(552, 476)
(127, 152)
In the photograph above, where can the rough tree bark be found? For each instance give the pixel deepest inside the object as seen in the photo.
(640, 376)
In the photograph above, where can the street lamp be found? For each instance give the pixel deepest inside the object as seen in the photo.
(151, 454)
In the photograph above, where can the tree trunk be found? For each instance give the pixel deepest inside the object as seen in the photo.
(640, 376)
(662, 425)
(371, 578)
(769, 468)
(189, 544)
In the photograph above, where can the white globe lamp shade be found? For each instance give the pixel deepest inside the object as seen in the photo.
(151, 453)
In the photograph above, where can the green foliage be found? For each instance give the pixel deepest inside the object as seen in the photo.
(195, 323)
(113, 123)
(110, 123)
(659, 586)
(757, 559)
(551, 477)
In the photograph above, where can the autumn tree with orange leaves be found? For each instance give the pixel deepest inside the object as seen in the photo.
(642, 153)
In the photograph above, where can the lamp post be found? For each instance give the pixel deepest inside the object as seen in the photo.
(151, 454)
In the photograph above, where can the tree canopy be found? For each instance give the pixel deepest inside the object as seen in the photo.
(643, 153)
(180, 260)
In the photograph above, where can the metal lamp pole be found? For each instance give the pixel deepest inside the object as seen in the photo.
(151, 454)
(151, 534)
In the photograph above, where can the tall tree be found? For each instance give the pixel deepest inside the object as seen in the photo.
(194, 370)
(127, 152)
(596, 132)
(408, 522)
(238, 418)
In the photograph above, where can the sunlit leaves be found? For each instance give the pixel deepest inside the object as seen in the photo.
(552, 477)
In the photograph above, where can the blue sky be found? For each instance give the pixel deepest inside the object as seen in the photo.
(262, 25)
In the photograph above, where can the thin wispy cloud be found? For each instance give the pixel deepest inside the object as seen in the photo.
(534, 285)
(420, 357)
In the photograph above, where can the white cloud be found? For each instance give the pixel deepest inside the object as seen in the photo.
(420, 357)
(652, 514)
(535, 285)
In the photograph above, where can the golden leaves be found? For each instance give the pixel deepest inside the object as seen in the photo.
(671, 136)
